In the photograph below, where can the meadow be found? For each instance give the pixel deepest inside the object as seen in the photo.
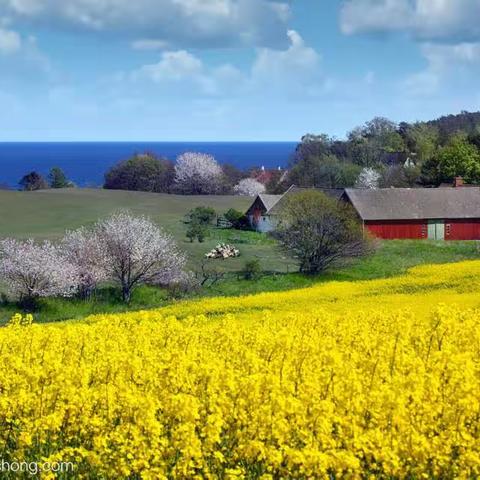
(363, 379)
(47, 214)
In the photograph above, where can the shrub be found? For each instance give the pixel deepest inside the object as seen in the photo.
(197, 230)
(238, 219)
(319, 231)
(251, 270)
(33, 181)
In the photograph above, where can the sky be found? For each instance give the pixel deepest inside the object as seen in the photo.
(219, 70)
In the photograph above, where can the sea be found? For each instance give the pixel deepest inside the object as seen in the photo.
(85, 163)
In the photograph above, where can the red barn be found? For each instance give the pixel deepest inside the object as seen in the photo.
(416, 213)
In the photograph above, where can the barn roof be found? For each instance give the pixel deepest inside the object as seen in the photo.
(335, 193)
(415, 203)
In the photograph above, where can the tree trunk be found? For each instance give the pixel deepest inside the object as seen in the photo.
(126, 293)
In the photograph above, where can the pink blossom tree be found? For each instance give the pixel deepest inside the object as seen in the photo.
(136, 251)
(32, 270)
(198, 173)
(82, 249)
(249, 187)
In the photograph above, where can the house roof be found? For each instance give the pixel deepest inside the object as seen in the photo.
(268, 202)
(415, 203)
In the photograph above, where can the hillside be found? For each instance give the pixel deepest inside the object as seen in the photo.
(46, 214)
(448, 125)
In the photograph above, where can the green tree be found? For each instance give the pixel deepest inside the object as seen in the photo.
(33, 181)
(199, 220)
(58, 179)
(319, 231)
(202, 215)
(459, 158)
(323, 171)
(197, 231)
(368, 144)
(423, 140)
(142, 172)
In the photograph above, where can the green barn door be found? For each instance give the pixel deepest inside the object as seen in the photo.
(436, 230)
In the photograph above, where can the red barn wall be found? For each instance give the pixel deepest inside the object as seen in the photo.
(455, 229)
(392, 229)
(468, 229)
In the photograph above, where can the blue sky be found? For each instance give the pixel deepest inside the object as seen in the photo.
(230, 69)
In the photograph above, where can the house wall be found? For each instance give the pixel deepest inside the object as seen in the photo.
(263, 223)
(455, 229)
(397, 229)
(462, 229)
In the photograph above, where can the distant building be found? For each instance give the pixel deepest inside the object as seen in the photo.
(259, 213)
(416, 213)
(265, 211)
(393, 213)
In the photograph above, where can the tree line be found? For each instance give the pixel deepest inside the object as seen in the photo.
(193, 173)
(382, 153)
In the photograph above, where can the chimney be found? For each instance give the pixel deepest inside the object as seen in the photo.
(458, 182)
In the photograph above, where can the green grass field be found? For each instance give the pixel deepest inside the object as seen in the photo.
(47, 214)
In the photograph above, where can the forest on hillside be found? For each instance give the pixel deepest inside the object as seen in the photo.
(382, 153)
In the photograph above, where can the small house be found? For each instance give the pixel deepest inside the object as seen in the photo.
(259, 215)
(266, 209)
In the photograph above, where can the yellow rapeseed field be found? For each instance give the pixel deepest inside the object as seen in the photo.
(375, 379)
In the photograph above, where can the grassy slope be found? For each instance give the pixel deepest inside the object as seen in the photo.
(47, 214)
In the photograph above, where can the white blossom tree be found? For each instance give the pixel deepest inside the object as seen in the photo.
(82, 248)
(136, 251)
(368, 178)
(198, 173)
(32, 270)
(249, 187)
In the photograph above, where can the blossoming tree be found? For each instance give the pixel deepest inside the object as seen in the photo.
(82, 248)
(249, 187)
(368, 178)
(136, 251)
(197, 173)
(32, 270)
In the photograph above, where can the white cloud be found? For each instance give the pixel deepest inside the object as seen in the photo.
(173, 66)
(439, 20)
(295, 69)
(179, 22)
(148, 44)
(298, 68)
(10, 41)
(360, 16)
(296, 59)
(442, 61)
(181, 70)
